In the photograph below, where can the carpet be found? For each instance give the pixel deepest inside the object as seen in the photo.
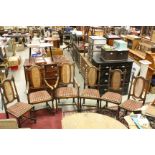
(45, 120)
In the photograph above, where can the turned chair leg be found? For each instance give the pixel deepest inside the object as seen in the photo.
(53, 106)
(32, 115)
(117, 115)
(73, 100)
(57, 104)
(7, 115)
(98, 106)
(18, 121)
(79, 104)
(106, 105)
(84, 101)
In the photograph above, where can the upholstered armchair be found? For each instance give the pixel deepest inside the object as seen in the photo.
(37, 91)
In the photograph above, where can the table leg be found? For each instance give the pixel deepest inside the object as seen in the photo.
(25, 75)
(29, 53)
(51, 54)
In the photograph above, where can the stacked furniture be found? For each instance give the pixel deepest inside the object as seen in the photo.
(95, 44)
(110, 39)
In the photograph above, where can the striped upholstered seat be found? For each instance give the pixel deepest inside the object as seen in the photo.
(19, 109)
(137, 94)
(112, 97)
(90, 93)
(131, 105)
(39, 96)
(65, 92)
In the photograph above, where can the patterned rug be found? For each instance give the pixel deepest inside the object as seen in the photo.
(45, 120)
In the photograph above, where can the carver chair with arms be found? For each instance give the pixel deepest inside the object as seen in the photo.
(37, 90)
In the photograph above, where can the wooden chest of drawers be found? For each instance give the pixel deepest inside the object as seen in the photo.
(105, 67)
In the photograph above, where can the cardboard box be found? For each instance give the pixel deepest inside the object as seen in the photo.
(97, 40)
(152, 90)
(14, 61)
(120, 45)
(20, 48)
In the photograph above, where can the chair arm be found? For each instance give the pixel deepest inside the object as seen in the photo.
(51, 87)
(54, 86)
(57, 82)
(27, 88)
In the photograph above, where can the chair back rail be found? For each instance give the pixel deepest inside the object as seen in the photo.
(67, 73)
(92, 77)
(116, 80)
(9, 91)
(139, 88)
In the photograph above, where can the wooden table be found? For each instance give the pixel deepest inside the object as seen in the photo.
(90, 121)
(51, 39)
(16, 35)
